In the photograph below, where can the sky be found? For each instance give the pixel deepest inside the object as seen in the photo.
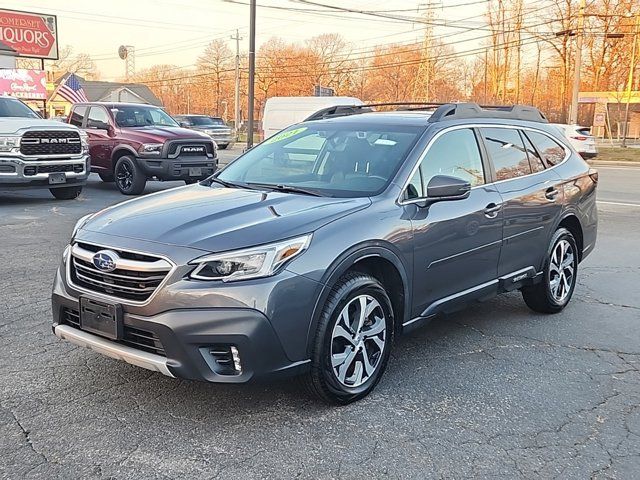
(176, 31)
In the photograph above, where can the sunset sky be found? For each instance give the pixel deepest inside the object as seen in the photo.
(175, 32)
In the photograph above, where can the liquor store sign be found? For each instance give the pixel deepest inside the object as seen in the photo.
(29, 34)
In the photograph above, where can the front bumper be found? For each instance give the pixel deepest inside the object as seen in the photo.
(16, 172)
(225, 139)
(184, 340)
(178, 168)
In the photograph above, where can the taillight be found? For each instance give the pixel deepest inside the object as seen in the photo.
(593, 173)
(582, 139)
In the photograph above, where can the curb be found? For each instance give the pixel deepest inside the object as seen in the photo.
(613, 163)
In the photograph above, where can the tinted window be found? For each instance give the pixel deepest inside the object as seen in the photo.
(534, 158)
(10, 107)
(98, 118)
(456, 154)
(507, 152)
(552, 152)
(345, 160)
(142, 116)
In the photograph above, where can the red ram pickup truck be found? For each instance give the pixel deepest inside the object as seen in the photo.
(131, 143)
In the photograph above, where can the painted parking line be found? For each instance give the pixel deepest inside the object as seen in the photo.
(619, 203)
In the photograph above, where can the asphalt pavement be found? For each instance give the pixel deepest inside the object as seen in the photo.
(495, 391)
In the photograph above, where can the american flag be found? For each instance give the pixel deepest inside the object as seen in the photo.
(70, 89)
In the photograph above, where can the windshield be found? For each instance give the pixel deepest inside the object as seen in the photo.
(334, 160)
(141, 116)
(10, 107)
(205, 121)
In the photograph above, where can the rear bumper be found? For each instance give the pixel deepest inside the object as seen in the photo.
(15, 172)
(179, 168)
(185, 339)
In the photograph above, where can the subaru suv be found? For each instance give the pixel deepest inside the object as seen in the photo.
(131, 143)
(312, 251)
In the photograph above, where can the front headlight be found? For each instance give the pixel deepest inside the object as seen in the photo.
(8, 143)
(150, 149)
(79, 224)
(84, 140)
(256, 262)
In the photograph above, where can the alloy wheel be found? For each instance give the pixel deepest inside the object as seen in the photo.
(561, 270)
(358, 341)
(124, 175)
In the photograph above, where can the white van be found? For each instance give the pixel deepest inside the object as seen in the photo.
(281, 112)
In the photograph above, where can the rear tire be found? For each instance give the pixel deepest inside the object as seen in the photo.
(553, 293)
(223, 147)
(350, 351)
(106, 177)
(129, 178)
(66, 193)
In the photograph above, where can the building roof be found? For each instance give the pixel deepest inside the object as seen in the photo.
(7, 50)
(97, 90)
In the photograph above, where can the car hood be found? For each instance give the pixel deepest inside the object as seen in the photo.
(158, 134)
(215, 219)
(15, 124)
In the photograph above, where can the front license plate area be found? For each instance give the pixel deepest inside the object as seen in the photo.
(103, 319)
(56, 178)
(195, 171)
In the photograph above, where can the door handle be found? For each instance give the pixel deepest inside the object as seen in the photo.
(491, 210)
(551, 194)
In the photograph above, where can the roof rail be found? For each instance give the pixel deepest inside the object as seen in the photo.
(338, 111)
(454, 111)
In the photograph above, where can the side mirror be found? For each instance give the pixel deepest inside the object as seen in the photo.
(183, 124)
(444, 187)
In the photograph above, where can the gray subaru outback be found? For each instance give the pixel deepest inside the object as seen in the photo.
(312, 251)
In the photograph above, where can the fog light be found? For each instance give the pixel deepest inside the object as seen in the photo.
(236, 360)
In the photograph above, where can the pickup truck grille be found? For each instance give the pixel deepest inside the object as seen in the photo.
(132, 336)
(50, 142)
(182, 147)
(135, 278)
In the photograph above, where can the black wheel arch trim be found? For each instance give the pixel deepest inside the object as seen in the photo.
(118, 148)
(344, 262)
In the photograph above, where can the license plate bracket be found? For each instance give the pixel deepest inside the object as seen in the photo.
(56, 178)
(101, 318)
(195, 171)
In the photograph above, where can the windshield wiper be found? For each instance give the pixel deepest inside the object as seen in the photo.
(286, 189)
(226, 184)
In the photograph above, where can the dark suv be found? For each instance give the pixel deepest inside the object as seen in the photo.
(131, 143)
(313, 250)
(222, 134)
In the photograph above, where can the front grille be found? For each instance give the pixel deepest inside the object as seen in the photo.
(135, 284)
(174, 146)
(132, 336)
(50, 142)
(34, 169)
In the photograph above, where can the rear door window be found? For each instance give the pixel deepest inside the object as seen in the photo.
(77, 115)
(552, 152)
(507, 152)
(98, 118)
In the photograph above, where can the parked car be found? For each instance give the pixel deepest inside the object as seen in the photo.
(313, 250)
(222, 134)
(580, 138)
(131, 143)
(282, 112)
(37, 153)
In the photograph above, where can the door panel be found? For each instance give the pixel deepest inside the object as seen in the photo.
(100, 143)
(456, 246)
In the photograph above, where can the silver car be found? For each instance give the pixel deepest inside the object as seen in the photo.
(220, 132)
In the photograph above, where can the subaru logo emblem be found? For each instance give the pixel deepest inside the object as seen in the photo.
(105, 260)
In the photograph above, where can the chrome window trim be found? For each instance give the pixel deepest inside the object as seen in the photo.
(111, 298)
(401, 201)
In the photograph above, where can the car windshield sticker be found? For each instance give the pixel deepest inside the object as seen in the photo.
(284, 135)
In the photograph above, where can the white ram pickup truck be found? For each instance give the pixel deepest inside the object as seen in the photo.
(41, 153)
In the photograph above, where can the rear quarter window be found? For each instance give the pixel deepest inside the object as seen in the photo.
(552, 152)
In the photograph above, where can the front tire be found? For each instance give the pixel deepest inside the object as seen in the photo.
(353, 340)
(223, 147)
(66, 193)
(106, 177)
(553, 293)
(129, 179)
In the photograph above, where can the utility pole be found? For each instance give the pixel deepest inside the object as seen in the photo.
(237, 38)
(573, 112)
(632, 67)
(486, 67)
(252, 71)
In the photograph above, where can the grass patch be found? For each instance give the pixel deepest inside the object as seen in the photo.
(618, 155)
